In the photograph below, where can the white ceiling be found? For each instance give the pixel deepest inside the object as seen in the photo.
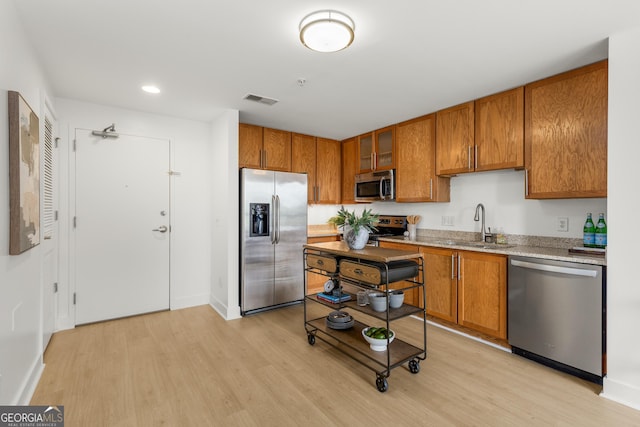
(409, 57)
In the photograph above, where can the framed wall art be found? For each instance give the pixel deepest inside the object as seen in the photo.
(24, 175)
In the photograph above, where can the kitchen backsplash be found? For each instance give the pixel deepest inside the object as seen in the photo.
(502, 194)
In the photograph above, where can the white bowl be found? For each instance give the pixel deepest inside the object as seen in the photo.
(378, 301)
(378, 344)
(396, 298)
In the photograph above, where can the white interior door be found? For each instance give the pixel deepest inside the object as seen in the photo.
(121, 226)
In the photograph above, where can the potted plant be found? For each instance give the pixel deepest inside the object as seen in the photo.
(355, 229)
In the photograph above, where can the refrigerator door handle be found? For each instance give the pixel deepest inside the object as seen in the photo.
(277, 229)
(273, 220)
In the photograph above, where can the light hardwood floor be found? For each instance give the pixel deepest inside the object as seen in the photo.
(190, 367)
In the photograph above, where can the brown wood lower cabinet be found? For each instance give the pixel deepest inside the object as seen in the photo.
(442, 279)
(412, 296)
(315, 282)
(464, 287)
(482, 292)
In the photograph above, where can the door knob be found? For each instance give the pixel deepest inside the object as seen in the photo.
(162, 229)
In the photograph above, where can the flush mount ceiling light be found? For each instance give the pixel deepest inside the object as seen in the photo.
(151, 89)
(326, 31)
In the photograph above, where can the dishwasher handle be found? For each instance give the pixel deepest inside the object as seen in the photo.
(555, 269)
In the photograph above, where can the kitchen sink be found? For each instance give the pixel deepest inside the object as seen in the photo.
(480, 245)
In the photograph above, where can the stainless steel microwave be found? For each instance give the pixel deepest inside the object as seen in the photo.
(374, 186)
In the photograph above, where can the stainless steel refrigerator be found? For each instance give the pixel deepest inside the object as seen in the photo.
(273, 230)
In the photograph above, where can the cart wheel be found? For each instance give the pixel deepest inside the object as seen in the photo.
(311, 339)
(381, 383)
(414, 366)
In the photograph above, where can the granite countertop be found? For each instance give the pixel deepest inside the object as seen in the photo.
(518, 249)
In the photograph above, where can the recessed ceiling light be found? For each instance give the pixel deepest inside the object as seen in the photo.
(151, 89)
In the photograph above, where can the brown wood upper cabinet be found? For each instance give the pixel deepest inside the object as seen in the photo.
(481, 135)
(320, 159)
(455, 139)
(566, 134)
(416, 179)
(264, 148)
(499, 131)
(349, 163)
(376, 150)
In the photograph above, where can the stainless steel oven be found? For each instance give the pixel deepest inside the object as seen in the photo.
(388, 226)
(375, 186)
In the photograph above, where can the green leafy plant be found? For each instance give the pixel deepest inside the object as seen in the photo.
(367, 220)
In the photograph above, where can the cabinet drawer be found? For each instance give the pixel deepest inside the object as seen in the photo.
(323, 262)
(375, 273)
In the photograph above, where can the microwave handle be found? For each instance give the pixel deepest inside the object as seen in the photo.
(382, 195)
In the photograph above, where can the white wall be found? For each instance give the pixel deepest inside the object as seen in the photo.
(225, 216)
(190, 201)
(20, 289)
(623, 318)
(502, 194)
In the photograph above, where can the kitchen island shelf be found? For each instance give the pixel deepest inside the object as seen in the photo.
(399, 351)
(371, 268)
(394, 313)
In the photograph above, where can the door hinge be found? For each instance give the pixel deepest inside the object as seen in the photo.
(55, 287)
(74, 298)
(55, 142)
(75, 222)
(55, 215)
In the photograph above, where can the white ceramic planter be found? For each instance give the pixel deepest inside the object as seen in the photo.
(356, 241)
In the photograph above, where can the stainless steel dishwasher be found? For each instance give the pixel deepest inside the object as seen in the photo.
(556, 314)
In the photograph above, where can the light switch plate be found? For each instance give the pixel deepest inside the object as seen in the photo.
(563, 223)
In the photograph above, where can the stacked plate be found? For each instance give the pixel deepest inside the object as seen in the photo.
(339, 320)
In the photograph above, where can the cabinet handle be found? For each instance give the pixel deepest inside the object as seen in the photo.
(371, 161)
(469, 158)
(265, 159)
(526, 182)
(317, 195)
(458, 267)
(375, 160)
(453, 266)
(430, 188)
(475, 157)
(357, 271)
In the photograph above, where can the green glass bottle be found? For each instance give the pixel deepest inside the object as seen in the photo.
(601, 233)
(589, 235)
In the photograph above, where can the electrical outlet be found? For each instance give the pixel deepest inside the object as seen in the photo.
(447, 220)
(563, 223)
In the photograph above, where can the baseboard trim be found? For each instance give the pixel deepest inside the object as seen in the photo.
(189, 301)
(30, 383)
(223, 309)
(620, 392)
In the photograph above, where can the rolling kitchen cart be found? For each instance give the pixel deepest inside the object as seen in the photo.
(371, 268)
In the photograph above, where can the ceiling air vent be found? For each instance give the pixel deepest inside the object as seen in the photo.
(260, 99)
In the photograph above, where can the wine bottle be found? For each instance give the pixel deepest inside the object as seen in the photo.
(601, 233)
(589, 232)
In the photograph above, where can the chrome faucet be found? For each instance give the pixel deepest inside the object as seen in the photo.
(486, 236)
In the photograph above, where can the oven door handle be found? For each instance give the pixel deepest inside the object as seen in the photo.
(555, 269)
